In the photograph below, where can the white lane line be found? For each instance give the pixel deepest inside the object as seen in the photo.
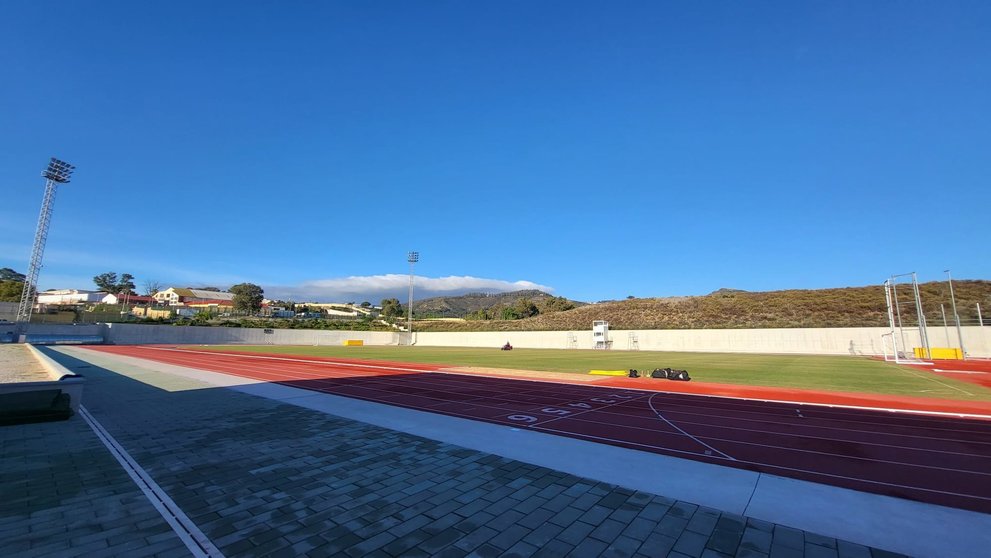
(915, 412)
(650, 401)
(194, 539)
(759, 464)
(932, 379)
(265, 357)
(387, 386)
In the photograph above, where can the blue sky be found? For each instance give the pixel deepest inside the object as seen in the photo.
(595, 150)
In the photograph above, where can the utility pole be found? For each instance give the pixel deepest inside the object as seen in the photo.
(58, 172)
(412, 258)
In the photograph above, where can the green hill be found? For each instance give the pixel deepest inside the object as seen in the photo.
(734, 309)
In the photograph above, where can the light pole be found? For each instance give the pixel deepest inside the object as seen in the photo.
(412, 258)
(953, 301)
(58, 172)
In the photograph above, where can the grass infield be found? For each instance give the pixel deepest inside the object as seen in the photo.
(827, 373)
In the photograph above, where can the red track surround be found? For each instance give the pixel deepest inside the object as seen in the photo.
(936, 459)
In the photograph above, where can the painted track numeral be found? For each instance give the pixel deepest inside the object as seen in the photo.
(522, 418)
(551, 411)
(601, 400)
(580, 405)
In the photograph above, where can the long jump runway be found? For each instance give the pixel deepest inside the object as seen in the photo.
(940, 460)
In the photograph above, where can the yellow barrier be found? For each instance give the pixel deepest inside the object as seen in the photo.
(608, 372)
(353, 342)
(941, 353)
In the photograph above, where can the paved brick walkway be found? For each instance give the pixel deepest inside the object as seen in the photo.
(264, 478)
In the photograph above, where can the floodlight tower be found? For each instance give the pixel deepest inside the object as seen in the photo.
(58, 172)
(412, 258)
(956, 317)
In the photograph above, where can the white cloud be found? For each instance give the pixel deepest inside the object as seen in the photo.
(373, 288)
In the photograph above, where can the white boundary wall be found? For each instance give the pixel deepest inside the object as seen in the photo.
(821, 341)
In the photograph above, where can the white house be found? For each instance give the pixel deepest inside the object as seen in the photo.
(175, 296)
(69, 296)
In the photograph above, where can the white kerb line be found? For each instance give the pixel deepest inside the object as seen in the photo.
(194, 539)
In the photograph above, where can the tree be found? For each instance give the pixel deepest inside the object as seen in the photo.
(366, 304)
(108, 282)
(558, 304)
(525, 308)
(126, 284)
(391, 308)
(10, 290)
(7, 274)
(152, 287)
(247, 297)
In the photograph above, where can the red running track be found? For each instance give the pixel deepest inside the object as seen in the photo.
(941, 460)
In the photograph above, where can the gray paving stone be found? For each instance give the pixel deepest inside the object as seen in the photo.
(786, 536)
(671, 526)
(723, 541)
(442, 539)
(819, 540)
(403, 544)
(521, 550)
(589, 548)
(554, 549)
(262, 477)
(476, 538)
(536, 518)
(596, 515)
(608, 530)
(756, 540)
(622, 547)
(781, 551)
(543, 534)
(509, 536)
(816, 551)
(851, 550)
(690, 543)
(575, 533)
(486, 551)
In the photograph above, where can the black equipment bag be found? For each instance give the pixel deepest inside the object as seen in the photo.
(660, 373)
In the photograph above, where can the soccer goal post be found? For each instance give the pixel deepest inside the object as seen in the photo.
(907, 342)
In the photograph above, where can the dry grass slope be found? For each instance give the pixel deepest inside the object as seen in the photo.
(846, 307)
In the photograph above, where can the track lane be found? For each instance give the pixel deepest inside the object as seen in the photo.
(936, 459)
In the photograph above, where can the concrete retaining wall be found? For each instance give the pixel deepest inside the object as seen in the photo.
(135, 334)
(822, 341)
(819, 341)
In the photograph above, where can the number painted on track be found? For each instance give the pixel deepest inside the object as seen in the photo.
(551, 411)
(522, 418)
(600, 400)
(580, 405)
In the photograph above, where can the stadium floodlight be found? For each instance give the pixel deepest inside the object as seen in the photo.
(953, 301)
(58, 172)
(412, 258)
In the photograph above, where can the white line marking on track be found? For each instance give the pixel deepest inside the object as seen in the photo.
(655, 447)
(920, 412)
(650, 401)
(782, 467)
